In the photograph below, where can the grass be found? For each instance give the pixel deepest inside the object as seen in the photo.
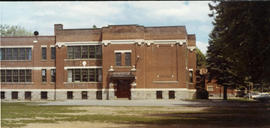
(21, 114)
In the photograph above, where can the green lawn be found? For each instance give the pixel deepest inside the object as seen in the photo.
(21, 114)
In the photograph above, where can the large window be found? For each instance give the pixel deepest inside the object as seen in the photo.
(16, 75)
(44, 53)
(118, 59)
(52, 52)
(84, 75)
(15, 54)
(128, 59)
(85, 52)
(44, 75)
(53, 75)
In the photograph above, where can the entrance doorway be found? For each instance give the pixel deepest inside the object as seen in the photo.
(123, 89)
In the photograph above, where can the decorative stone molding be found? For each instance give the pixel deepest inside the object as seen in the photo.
(111, 69)
(133, 68)
(105, 42)
(133, 84)
(191, 48)
(59, 45)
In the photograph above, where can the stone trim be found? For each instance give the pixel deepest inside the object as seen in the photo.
(17, 46)
(79, 67)
(33, 68)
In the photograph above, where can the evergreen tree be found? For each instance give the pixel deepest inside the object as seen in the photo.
(239, 43)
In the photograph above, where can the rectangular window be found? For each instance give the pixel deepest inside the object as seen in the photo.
(44, 95)
(70, 53)
(28, 75)
(2, 95)
(27, 95)
(84, 95)
(84, 75)
(128, 59)
(22, 54)
(44, 75)
(15, 54)
(53, 73)
(44, 53)
(171, 94)
(118, 59)
(69, 95)
(77, 52)
(99, 51)
(3, 75)
(9, 54)
(99, 95)
(210, 88)
(8, 75)
(16, 75)
(53, 53)
(191, 76)
(84, 52)
(14, 95)
(159, 94)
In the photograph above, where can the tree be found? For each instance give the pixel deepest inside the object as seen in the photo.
(200, 59)
(14, 30)
(94, 26)
(239, 43)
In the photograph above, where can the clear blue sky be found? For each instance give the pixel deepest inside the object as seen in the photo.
(42, 16)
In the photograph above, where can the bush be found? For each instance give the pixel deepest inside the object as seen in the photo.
(201, 93)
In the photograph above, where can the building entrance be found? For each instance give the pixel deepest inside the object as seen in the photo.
(123, 89)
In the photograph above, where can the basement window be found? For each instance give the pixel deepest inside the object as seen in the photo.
(44, 95)
(99, 95)
(171, 94)
(27, 95)
(69, 95)
(84, 95)
(159, 94)
(14, 95)
(2, 95)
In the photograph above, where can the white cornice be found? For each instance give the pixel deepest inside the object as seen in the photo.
(80, 67)
(59, 44)
(17, 46)
(33, 68)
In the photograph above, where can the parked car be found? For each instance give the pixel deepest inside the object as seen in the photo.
(263, 97)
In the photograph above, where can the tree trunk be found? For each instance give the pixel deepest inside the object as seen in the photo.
(224, 92)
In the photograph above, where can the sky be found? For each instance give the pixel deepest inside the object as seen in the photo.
(42, 16)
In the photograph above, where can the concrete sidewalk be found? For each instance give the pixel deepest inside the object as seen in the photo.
(121, 102)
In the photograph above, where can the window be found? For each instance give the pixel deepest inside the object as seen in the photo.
(84, 95)
(128, 59)
(210, 88)
(191, 76)
(15, 54)
(118, 59)
(16, 75)
(171, 94)
(84, 75)
(28, 75)
(44, 75)
(84, 52)
(2, 95)
(159, 94)
(44, 95)
(27, 95)
(69, 95)
(99, 95)
(22, 76)
(53, 73)
(53, 53)
(14, 95)
(44, 53)
(8, 75)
